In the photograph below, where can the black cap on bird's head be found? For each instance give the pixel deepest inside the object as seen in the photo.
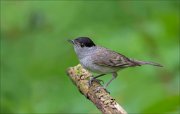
(83, 42)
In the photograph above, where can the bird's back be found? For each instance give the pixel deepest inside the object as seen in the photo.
(109, 58)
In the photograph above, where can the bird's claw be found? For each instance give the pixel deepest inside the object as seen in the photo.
(100, 87)
(99, 81)
(94, 79)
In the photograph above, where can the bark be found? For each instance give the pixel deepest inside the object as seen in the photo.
(100, 97)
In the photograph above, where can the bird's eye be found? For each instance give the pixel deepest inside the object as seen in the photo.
(82, 45)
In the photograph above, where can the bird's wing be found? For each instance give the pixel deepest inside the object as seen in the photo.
(105, 57)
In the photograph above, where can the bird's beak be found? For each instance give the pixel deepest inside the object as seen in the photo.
(71, 41)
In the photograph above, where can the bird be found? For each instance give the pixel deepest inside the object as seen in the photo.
(101, 60)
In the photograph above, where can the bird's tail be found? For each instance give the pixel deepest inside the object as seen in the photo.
(146, 63)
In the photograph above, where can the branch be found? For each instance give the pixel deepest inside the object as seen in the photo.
(103, 101)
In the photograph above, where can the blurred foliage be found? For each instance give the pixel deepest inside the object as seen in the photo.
(35, 54)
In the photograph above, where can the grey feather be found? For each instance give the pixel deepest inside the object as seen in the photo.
(106, 57)
(146, 63)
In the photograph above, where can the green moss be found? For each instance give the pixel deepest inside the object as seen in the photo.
(78, 69)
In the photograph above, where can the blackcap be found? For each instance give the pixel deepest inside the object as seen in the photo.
(101, 60)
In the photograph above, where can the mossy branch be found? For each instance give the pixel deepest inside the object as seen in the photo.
(100, 97)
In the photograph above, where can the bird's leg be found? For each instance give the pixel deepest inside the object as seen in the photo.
(95, 79)
(114, 75)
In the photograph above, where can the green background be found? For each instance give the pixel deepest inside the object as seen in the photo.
(35, 54)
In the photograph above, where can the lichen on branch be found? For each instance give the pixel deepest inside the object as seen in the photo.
(100, 97)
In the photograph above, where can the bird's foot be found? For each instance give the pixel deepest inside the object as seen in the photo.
(94, 79)
(101, 87)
